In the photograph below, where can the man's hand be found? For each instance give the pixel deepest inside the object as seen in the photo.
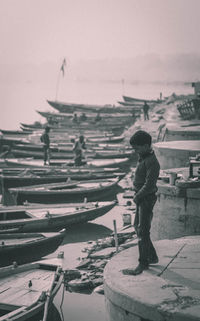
(135, 199)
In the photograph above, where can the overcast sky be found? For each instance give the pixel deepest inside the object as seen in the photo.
(48, 30)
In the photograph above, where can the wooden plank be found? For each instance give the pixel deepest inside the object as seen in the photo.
(12, 294)
(12, 313)
(27, 298)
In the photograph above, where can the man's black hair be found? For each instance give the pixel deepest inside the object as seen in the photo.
(141, 138)
(47, 128)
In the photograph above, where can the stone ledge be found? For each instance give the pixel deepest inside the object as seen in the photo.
(180, 190)
(167, 291)
(193, 193)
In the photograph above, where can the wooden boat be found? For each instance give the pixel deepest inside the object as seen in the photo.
(16, 178)
(9, 142)
(15, 132)
(136, 106)
(138, 100)
(33, 126)
(28, 247)
(68, 147)
(64, 107)
(53, 155)
(48, 217)
(27, 291)
(99, 154)
(90, 117)
(112, 140)
(112, 154)
(46, 171)
(111, 127)
(37, 163)
(93, 190)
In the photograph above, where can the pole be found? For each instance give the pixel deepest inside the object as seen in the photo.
(57, 85)
(115, 236)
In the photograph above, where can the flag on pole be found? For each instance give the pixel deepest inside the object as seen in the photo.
(63, 67)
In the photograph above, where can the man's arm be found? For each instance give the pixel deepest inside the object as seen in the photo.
(150, 182)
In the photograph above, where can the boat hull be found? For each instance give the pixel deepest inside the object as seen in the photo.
(16, 218)
(28, 247)
(30, 290)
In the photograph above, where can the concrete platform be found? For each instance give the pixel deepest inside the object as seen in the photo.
(167, 291)
(176, 212)
(176, 153)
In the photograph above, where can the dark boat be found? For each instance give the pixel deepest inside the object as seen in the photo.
(48, 217)
(62, 163)
(16, 132)
(64, 107)
(92, 190)
(107, 140)
(28, 247)
(27, 177)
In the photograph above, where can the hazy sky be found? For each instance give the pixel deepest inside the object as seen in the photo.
(48, 30)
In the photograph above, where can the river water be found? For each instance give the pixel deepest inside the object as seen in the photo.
(81, 306)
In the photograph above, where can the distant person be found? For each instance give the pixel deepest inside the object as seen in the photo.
(75, 118)
(78, 148)
(196, 105)
(98, 117)
(46, 145)
(83, 117)
(146, 111)
(144, 183)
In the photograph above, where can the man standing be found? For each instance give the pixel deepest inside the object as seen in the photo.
(46, 145)
(144, 183)
(146, 111)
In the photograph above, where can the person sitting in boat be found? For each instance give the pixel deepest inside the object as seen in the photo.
(83, 117)
(75, 118)
(79, 145)
(98, 117)
(46, 145)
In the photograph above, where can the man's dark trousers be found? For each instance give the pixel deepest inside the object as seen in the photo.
(142, 224)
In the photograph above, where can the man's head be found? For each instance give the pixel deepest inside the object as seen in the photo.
(47, 129)
(81, 139)
(141, 142)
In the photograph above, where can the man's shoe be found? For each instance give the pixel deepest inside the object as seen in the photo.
(153, 261)
(138, 270)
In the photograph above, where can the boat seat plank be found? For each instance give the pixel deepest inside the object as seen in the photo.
(9, 315)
